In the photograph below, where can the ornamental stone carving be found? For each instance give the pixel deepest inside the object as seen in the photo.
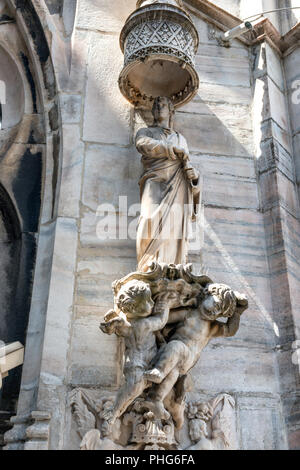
(165, 317)
(163, 314)
(159, 42)
(212, 424)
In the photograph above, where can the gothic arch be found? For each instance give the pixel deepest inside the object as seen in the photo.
(29, 175)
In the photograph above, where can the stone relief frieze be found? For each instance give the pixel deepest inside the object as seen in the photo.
(210, 425)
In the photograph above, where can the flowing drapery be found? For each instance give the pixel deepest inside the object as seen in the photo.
(168, 199)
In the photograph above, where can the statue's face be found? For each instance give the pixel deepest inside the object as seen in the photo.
(197, 430)
(134, 299)
(218, 301)
(162, 110)
(212, 306)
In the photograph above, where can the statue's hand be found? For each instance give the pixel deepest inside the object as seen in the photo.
(181, 153)
(168, 298)
(242, 303)
(109, 326)
(192, 174)
(110, 315)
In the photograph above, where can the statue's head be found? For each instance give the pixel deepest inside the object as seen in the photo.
(197, 429)
(163, 109)
(135, 299)
(218, 300)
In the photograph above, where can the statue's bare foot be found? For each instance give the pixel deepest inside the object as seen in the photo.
(157, 409)
(154, 376)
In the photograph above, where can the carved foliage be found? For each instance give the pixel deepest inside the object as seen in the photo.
(164, 37)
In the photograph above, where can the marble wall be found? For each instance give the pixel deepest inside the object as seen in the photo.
(100, 157)
(242, 132)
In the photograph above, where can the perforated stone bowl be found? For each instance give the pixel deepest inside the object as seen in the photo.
(159, 42)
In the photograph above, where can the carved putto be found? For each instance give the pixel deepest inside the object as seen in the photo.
(212, 424)
(165, 316)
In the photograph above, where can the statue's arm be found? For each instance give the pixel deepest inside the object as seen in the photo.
(228, 329)
(177, 316)
(159, 317)
(150, 147)
(117, 325)
(196, 191)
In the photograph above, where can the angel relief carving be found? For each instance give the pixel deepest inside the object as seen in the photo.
(212, 424)
(165, 316)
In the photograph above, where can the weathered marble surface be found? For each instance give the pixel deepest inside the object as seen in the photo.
(242, 246)
(218, 128)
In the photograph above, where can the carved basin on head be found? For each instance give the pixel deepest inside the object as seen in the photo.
(159, 42)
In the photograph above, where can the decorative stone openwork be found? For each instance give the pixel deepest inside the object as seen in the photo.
(159, 42)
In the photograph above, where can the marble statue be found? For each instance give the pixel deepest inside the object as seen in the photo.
(196, 327)
(165, 317)
(170, 190)
(137, 323)
(163, 314)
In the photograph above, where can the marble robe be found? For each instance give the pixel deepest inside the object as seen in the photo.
(169, 201)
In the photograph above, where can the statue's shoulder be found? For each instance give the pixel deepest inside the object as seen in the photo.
(182, 139)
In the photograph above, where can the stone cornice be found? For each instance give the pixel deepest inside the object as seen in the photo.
(263, 31)
(217, 15)
(291, 39)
